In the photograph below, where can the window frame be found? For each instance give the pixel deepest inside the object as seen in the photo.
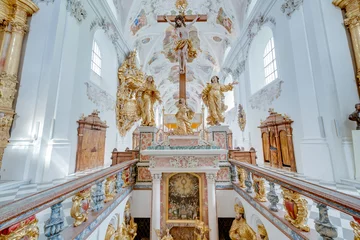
(96, 60)
(269, 61)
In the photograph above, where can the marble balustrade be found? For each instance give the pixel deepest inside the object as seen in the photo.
(293, 220)
(94, 196)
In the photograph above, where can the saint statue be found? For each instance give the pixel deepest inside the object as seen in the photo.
(183, 46)
(129, 227)
(167, 236)
(212, 96)
(146, 97)
(262, 232)
(240, 230)
(355, 116)
(183, 119)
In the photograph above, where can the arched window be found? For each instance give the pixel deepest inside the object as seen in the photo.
(96, 59)
(270, 67)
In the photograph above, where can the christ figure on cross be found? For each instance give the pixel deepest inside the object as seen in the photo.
(183, 46)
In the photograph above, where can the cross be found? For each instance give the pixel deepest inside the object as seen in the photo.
(188, 18)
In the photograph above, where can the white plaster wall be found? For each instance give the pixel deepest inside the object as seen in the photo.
(141, 203)
(318, 92)
(53, 95)
(225, 203)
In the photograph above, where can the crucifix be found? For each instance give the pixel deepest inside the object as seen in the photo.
(183, 46)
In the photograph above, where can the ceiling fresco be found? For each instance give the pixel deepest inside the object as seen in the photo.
(154, 42)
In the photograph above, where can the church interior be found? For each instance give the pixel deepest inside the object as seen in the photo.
(180, 119)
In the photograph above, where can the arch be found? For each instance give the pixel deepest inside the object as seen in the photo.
(256, 58)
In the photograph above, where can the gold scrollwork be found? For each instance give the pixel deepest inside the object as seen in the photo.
(241, 117)
(296, 209)
(130, 80)
(242, 176)
(26, 229)
(79, 209)
(110, 189)
(262, 232)
(356, 226)
(259, 188)
(201, 230)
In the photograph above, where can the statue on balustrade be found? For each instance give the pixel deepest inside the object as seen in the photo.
(355, 116)
(183, 116)
(240, 230)
(213, 98)
(146, 96)
(129, 227)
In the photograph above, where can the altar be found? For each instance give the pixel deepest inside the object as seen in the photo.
(184, 170)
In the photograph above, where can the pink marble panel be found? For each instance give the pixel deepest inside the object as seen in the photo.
(223, 174)
(144, 174)
(220, 139)
(184, 142)
(184, 162)
(146, 140)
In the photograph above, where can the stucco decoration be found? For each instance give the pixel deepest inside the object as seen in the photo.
(290, 6)
(253, 29)
(76, 9)
(265, 97)
(44, 1)
(110, 31)
(103, 100)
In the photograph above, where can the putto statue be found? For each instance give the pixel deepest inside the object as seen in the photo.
(183, 45)
(239, 228)
(136, 96)
(212, 96)
(147, 95)
(183, 119)
(355, 116)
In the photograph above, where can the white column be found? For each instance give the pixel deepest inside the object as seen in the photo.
(213, 221)
(155, 213)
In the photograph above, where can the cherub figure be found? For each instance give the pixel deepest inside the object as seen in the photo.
(183, 46)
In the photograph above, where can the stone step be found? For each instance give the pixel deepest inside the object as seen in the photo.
(5, 185)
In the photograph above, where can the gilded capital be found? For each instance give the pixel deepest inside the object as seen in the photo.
(19, 27)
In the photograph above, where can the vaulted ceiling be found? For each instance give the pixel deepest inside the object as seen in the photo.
(153, 41)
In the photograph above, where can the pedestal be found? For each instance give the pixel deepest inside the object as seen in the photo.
(147, 137)
(356, 145)
(219, 136)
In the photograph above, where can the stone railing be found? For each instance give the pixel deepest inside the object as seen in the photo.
(293, 219)
(93, 197)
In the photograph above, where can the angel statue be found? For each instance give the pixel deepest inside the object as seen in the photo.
(183, 119)
(183, 46)
(212, 96)
(146, 97)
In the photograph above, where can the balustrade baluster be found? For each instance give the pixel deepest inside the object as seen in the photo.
(119, 182)
(55, 224)
(248, 182)
(98, 196)
(323, 225)
(234, 174)
(273, 198)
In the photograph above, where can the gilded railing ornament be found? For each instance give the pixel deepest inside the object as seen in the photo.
(126, 177)
(296, 209)
(110, 185)
(259, 188)
(241, 117)
(242, 177)
(26, 229)
(80, 207)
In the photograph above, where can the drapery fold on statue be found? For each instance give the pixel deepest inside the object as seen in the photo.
(180, 44)
(212, 96)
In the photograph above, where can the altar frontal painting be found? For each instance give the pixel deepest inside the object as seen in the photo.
(183, 198)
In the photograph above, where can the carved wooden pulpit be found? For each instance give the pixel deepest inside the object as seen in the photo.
(91, 142)
(277, 142)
